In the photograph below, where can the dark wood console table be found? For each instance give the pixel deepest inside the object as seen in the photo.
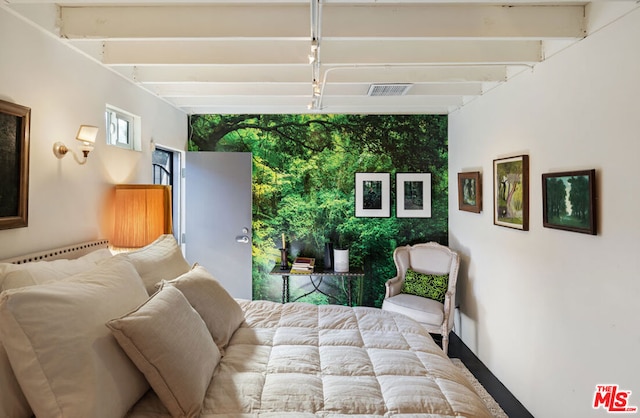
(315, 279)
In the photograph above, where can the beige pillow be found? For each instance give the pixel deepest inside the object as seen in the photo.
(64, 358)
(13, 276)
(12, 401)
(170, 344)
(218, 309)
(160, 260)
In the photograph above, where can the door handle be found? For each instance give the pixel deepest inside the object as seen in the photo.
(243, 239)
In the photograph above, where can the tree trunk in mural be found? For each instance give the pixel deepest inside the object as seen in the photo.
(514, 206)
(303, 186)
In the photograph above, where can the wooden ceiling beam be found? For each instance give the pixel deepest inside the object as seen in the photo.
(300, 73)
(276, 52)
(338, 21)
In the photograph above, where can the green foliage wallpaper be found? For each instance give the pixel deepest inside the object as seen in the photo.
(303, 186)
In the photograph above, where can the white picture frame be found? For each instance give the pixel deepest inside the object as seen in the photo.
(413, 195)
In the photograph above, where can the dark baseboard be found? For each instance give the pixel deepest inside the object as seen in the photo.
(511, 406)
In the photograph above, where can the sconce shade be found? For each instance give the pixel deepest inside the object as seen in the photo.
(87, 133)
(142, 213)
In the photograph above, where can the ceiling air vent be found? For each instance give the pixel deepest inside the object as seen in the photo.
(395, 89)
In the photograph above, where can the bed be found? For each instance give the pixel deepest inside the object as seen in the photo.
(146, 334)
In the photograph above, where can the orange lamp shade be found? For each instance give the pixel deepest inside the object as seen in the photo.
(142, 212)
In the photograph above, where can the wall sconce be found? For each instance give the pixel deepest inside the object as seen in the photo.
(87, 135)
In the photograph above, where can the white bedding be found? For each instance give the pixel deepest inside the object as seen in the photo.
(291, 360)
(304, 360)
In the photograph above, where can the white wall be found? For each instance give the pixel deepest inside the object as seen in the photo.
(554, 313)
(65, 89)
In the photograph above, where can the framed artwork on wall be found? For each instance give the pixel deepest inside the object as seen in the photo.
(413, 195)
(14, 165)
(373, 195)
(569, 201)
(470, 192)
(511, 192)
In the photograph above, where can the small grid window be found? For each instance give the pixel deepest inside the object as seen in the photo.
(120, 128)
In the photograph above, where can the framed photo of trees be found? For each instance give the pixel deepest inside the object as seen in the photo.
(413, 195)
(373, 195)
(511, 192)
(470, 192)
(568, 201)
(14, 165)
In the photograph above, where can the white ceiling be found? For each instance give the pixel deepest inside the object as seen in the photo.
(253, 56)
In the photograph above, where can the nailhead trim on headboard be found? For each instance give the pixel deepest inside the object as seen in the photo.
(71, 251)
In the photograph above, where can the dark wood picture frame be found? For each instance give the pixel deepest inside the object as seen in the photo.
(470, 191)
(372, 195)
(15, 122)
(569, 201)
(511, 192)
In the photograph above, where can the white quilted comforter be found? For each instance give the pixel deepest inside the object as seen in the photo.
(300, 360)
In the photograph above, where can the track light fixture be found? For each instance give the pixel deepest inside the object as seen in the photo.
(314, 56)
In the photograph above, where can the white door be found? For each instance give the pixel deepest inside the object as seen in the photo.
(218, 217)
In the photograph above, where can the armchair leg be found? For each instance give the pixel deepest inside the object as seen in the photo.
(445, 343)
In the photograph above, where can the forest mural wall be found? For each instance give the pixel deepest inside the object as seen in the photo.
(304, 169)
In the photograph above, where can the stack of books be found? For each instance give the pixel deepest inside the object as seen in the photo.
(303, 265)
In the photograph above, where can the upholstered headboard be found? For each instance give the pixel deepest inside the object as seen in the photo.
(70, 251)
